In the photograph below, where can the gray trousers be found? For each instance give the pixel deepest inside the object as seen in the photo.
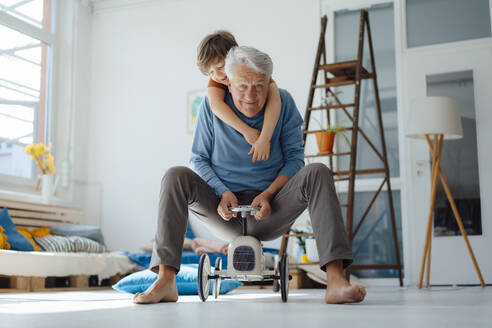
(312, 187)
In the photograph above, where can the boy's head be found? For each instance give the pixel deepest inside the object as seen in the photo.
(212, 52)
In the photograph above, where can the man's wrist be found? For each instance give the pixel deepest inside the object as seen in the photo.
(220, 191)
(269, 194)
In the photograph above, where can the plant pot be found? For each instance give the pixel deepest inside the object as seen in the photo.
(47, 188)
(325, 140)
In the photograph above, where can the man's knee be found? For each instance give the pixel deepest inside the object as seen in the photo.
(176, 174)
(319, 169)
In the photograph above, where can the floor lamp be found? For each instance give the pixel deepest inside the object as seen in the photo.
(437, 118)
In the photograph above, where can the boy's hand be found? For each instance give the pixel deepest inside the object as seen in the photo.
(251, 136)
(260, 150)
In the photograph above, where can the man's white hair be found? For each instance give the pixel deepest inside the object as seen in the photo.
(258, 61)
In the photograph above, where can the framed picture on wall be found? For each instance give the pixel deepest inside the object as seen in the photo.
(193, 100)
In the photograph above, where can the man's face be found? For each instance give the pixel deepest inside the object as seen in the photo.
(249, 90)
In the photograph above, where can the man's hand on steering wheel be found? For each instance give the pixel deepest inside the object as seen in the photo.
(228, 199)
(263, 202)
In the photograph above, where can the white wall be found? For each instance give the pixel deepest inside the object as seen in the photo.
(86, 191)
(142, 64)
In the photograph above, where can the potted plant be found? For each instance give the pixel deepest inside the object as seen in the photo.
(325, 138)
(301, 241)
(41, 155)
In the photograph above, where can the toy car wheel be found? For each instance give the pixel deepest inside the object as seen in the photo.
(276, 285)
(203, 280)
(218, 267)
(284, 277)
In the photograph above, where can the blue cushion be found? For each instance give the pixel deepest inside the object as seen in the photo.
(143, 259)
(189, 232)
(270, 250)
(186, 282)
(17, 241)
(86, 231)
(194, 258)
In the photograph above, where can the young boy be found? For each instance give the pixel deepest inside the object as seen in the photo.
(211, 61)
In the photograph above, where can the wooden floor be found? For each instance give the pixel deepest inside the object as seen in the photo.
(384, 307)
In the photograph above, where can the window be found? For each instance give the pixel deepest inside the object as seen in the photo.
(440, 21)
(346, 41)
(373, 243)
(26, 41)
(459, 160)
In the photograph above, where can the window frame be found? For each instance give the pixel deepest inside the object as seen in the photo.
(10, 182)
(402, 15)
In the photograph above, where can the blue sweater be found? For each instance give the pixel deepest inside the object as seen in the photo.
(219, 154)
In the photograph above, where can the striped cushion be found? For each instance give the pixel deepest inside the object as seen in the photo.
(82, 244)
(69, 244)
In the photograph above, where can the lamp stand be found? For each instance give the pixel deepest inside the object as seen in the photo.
(436, 151)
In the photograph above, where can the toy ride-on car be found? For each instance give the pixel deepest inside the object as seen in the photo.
(245, 262)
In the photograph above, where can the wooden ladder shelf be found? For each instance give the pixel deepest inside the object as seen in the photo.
(339, 75)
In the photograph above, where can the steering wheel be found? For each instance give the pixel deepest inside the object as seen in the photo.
(244, 208)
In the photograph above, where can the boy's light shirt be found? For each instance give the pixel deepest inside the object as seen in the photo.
(219, 154)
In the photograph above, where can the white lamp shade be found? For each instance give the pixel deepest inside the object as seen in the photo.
(434, 115)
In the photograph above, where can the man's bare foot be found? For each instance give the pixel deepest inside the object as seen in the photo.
(340, 291)
(162, 290)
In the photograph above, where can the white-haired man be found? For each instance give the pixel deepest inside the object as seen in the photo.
(223, 175)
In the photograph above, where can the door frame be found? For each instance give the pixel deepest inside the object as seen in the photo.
(414, 155)
(417, 66)
(412, 249)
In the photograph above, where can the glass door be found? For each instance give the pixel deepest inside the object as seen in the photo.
(465, 75)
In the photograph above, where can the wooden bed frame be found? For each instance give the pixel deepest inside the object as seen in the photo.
(36, 215)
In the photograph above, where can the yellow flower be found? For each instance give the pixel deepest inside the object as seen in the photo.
(40, 154)
(38, 149)
(29, 149)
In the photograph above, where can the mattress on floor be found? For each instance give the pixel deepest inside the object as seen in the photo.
(48, 264)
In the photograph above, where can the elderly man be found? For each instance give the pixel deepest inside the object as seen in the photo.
(225, 176)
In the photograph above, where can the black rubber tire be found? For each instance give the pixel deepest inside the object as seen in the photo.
(202, 270)
(284, 278)
(217, 282)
